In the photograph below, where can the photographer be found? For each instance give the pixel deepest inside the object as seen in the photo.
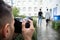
(7, 24)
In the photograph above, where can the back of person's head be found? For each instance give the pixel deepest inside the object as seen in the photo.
(40, 9)
(5, 17)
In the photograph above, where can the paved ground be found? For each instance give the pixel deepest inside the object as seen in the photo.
(46, 33)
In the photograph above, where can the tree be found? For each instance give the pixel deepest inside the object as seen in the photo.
(15, 11)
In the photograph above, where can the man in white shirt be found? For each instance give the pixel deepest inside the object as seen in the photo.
(47, 17)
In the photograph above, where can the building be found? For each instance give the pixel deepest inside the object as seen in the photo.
(31, 7)
(26, 7)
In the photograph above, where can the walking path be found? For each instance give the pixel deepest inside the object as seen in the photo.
(46, 33)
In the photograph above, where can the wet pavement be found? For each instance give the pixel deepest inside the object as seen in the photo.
(46, 33)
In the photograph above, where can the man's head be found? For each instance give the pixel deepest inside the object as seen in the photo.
(6, 21)
(40, 9)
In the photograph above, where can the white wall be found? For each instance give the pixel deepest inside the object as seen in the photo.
(31, 7)
(50, 4)
(28, 7)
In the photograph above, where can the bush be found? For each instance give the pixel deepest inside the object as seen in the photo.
(15, 11)
(35, 33)
(37, 17)
(22, 16)
(56, 25)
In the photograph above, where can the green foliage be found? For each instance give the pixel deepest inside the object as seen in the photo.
(35, 33)
(56, 25)
(15, 11)
(22, 16)
(43, 17)
(37, 17)
(19, 37)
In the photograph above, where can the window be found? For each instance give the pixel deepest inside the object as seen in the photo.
(35, 14)
(24, 8)
(29, 0)
(29, 14)
(29, 8)
(24, 0)
(35, 0)
(19, 1)
(35, 8)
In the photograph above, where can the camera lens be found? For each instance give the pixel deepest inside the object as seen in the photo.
(27, 25)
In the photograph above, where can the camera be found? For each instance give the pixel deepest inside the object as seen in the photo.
(18, 24)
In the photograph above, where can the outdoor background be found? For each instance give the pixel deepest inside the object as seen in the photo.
(23, 8)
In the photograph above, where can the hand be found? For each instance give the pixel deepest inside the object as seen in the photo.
(27, 32)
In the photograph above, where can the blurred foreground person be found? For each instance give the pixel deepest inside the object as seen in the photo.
(7, 24)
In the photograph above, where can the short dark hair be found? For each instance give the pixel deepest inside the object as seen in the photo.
(40, 9)
(5, 14)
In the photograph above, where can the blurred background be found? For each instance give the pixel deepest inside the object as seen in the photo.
(23, 8)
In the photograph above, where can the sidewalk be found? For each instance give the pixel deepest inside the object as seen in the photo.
(46, 33)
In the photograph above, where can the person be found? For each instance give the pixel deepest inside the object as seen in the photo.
(7, 24)
(47, 17)
(40, 17)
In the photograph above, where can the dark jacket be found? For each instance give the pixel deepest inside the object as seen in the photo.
(40, 14)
